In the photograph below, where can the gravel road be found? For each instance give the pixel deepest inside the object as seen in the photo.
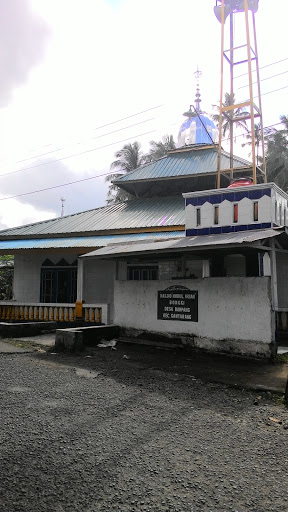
(139, 433)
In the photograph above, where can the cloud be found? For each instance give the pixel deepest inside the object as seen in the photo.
(81, 196)
(22, 39)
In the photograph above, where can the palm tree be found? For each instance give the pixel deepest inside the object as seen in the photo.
(230, 116)
(284, 120)
(257, 135)
(127, 159)
(160, 148)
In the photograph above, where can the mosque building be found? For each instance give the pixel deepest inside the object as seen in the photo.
(181, 260)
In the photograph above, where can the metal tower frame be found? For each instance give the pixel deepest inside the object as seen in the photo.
(223, 9)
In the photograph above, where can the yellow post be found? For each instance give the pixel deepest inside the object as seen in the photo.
(62, 315)
(93, 315)
(52, 314)
(57, 314)
(32, 313)
(41, 313)
(21, 312)
(99, 310)
(26, 315)
(36, 313)
(79, 310)
(17, 313)
(47, 314)
(87, 311)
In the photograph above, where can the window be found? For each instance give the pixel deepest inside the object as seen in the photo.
(142, 273)
(255, 211)
(198, 216)
(235, 213)
(216, 214)
(58, 283)
(276, 211)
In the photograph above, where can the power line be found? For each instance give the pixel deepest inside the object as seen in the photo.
(93, 129)
(263, 79)
(246, 133)
(76, 154)
(93, 177)
(77, 143)
(57, 186)
(263, 67)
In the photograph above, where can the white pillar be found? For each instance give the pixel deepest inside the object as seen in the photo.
(80, 280)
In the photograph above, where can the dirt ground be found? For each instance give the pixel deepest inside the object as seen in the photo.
(133, 429)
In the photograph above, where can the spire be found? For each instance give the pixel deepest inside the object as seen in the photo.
(193, 110)
(197, 75)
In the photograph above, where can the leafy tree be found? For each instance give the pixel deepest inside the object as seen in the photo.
(160, 148)
(128, 158)
(277, 158)
(230, 115)
(257, 135)
(6, 277)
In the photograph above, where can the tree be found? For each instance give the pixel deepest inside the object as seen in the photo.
(276, 144)
(128, 158)
(257, 135)
(6, 277)
(160, 148)
(230, 115)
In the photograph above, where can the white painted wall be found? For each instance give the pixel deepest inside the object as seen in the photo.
(98, 282)
(229, 308)
(27, 271)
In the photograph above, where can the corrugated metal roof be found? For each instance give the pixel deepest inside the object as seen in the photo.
(138, 213)
(187, 163)
(79, 242)
(191, 243)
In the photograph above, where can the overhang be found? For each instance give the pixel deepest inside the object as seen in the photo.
(186, 244)
(10, 246)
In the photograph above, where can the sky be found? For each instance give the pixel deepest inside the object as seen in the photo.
(80, 78)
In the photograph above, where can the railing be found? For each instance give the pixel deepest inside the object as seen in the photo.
(35, 312)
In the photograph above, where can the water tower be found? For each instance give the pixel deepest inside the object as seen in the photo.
(237, 18)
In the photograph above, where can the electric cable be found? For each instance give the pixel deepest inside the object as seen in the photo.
(93, 129)
(263, 79)
(263, 67)
(76, 154)
(91, 138)
(91, 177)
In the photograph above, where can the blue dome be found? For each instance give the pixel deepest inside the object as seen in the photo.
(197, 129)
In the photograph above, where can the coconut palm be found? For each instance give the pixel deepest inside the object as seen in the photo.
(230, 116)
(160, 148)
(277, 158)
(127, 159)
(257, 136)
(284, 120)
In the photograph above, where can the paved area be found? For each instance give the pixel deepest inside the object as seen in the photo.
(135, 430)
(234, 371)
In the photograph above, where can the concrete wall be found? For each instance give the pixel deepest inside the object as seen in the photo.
(234, 313)
(282, 279)
(27, 271)
(98, 284)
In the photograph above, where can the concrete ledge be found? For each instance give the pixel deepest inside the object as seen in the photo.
(78, 337)
(20, 330)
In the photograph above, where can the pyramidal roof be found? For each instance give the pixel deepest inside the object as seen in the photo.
(185, 169)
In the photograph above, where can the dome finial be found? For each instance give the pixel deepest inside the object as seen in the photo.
(197, 75)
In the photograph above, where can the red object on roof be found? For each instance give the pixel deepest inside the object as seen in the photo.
(241, 182)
